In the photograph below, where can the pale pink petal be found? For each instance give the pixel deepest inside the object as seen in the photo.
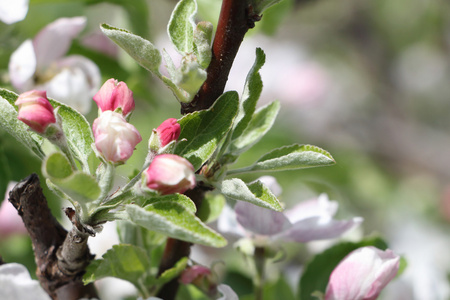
(316, 228)
(22, 66)
(362, 274)
(227, 292)
(55, 39)
(12, 11)
(10, 221)
(319, 207)
(101, 43)
(227, 222)
(260, 220)
(75, 83)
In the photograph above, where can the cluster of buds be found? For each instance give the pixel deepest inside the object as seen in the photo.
(115, 138)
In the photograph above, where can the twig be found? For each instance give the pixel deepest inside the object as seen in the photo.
(60, 275)
(236, 18)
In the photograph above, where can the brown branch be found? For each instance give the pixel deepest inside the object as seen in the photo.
(236, 18)
(60, 274)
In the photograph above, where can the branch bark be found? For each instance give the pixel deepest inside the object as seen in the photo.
(236, 18)
(60, 274)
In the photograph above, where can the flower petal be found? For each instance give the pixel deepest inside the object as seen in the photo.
(317, 228)
(227, 292)
(12, 11)
(22, 66)
(260, 220)
(319, 207)
(55, 39)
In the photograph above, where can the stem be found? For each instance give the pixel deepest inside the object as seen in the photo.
(60, 275)
(236, 18)
(260, 261)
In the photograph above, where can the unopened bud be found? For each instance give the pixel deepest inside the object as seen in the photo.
(114, 95)
(35, 110)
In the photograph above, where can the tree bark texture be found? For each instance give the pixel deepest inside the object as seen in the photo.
(59, 274)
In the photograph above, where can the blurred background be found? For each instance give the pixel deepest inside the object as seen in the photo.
(369, 81)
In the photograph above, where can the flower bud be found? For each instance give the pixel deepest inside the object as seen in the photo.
(362, 274)
(35, 110)
(169, 174)
(114, 138)
(113, 95)
(168, 131)
(202, 278)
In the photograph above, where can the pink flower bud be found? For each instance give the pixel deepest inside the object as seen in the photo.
(114, 94)
(168, 131)
(362, 274)
(35, 110)
(169, 174)
(114, 138)
(194, 273)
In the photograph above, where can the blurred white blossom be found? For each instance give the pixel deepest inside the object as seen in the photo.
(12, 11)
(40, 64)
(16, 284)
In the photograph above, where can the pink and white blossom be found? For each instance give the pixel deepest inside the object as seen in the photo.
(13, 11)
(169, 174)
(114, 95)
(308, 221)
(35, 110)
(168, 131)
(115, 138)
(362, 274)
(16, 284)
(40, 64)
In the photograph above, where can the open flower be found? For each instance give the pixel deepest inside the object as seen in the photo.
(115, 138)
(362, 274)
(170, 174)
(35, 110)
(113, 95)
(308, 221)
(13, 11)
(16, 284)
(40, 64)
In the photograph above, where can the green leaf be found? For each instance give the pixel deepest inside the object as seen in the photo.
(127, 262)
(174, 220)
(171, 273)
(260, 123)
(255, 192)
(202, 42)
(290, 158)
(181, 26)
(178, 198)
(252, 91)
(203, 130)
(18, 129)
(211, 207)
(77, 185)
(317, 271)
(77, 131)
(138, 48)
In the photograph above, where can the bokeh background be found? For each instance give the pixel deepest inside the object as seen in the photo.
(369, 81)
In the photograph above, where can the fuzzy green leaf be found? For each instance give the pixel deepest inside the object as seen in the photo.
(255, 192)
(252, 91)
(127, 262)
(174, 220)
(290, 158)
(178, 198)
(260, 123)
(211, 207)
(18, 129)
(77, 131)
(317, 271)
(181, 26)
(138, 48)
(77, 185)
(203, 130)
